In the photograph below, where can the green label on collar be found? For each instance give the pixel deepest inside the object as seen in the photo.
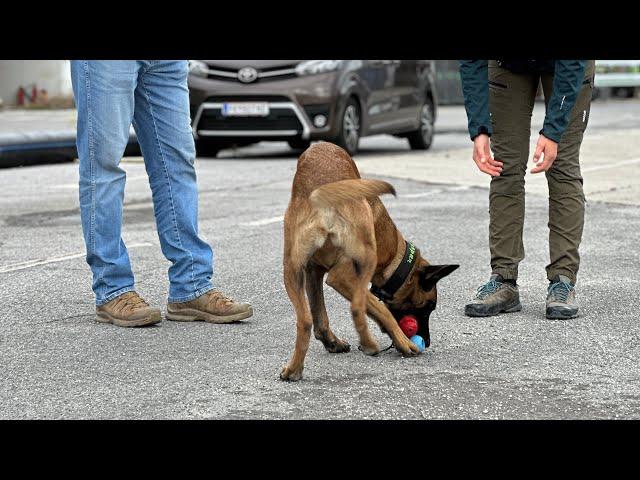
(412, 252)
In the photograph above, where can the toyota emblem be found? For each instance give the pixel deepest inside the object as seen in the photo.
(247, 74)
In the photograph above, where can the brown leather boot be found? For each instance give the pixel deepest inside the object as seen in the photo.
(128, 310)
(212, 307)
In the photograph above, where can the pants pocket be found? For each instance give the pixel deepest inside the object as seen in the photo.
(498, 85)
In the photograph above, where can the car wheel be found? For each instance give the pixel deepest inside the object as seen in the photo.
(299, 144)
(623, 92)
(423, 138)
(207, 148)
(349, 130)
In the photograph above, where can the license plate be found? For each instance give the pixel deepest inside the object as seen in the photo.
(245, 109)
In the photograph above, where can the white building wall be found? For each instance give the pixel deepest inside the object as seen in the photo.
(52, 75)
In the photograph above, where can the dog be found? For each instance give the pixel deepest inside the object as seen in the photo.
(335, 224)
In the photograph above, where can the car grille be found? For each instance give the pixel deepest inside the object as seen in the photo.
(264, 75)
(278, 119)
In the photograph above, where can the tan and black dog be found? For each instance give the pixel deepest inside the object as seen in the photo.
(336, 224)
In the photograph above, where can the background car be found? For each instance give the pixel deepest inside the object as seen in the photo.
(239, 102)
(617, 78)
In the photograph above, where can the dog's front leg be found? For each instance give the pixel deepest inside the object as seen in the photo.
(351, 282)
(383, 317)
(376, 310)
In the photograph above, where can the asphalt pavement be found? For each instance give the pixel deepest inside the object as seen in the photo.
(57, 362)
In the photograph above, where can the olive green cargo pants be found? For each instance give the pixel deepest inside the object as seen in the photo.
(511, 100)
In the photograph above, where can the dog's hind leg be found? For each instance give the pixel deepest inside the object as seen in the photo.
(321, 330)
(294, 283)
(299, 246)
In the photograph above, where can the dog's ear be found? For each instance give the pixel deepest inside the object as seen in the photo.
(434, 273)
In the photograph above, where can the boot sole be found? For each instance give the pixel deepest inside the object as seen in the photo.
(469, 312)
(152, 319)
(561, 314)
(191, 315)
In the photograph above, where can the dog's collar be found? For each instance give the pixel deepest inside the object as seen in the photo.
(388, 290)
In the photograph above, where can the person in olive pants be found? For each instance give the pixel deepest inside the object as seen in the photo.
(512, 85)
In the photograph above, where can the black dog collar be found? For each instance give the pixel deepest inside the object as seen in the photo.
(388, 290)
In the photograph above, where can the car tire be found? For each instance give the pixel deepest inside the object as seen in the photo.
(207, 148)
(623, 92)
(299, 144)
(350, 126)
(423, 138)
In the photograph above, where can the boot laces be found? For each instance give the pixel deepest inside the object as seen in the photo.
(216, 297)
(487, 289)
(130, 301)
(560, 291)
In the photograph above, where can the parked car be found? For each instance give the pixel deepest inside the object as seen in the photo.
(617, 78)
(239, 102)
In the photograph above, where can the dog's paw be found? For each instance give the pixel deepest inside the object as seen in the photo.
(407, 348)
(337, 346)
(289, 375)
(371, 349)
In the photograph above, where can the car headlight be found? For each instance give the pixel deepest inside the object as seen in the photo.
(198, 68)
(314, 67)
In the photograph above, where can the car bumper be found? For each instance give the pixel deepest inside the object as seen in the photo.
(297, 98)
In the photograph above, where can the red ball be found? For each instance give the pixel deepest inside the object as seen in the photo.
(409, 325)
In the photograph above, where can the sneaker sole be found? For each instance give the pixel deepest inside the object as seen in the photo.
(560, 314)
(155, 317)
(469, 312)
(191, 315)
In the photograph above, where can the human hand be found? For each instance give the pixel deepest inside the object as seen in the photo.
(482, 156)
(549, 149)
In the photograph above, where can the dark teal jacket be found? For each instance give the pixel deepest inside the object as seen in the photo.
(567, 81)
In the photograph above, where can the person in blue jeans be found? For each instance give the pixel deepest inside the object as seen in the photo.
(153, 96)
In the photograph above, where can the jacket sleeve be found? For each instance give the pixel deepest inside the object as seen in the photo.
(474, 75)
(567, 81)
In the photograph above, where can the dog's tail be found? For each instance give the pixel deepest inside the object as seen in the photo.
(336, 193)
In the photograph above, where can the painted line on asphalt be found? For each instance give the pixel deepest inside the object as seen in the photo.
(264, 221)
(74, 186)
(45, 261)
(595, 168)
(280, 218)
(433, 192)
(138, 206)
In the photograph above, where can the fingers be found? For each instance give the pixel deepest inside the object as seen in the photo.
(538, 153)
(485, 166)
(494, 163)
(546, 163)
(548, 149)
(493, 171)
(544, 166)
(541, 163)
(482, 156)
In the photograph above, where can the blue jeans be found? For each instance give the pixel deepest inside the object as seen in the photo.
(154, 97)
